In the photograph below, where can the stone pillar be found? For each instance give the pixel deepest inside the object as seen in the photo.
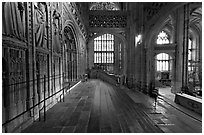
(185, 50)
(91, 53)
(181, 54)
(116, 55)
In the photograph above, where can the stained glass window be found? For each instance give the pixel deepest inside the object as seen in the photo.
(162, 38)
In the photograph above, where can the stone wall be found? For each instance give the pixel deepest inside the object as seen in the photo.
(33, 59)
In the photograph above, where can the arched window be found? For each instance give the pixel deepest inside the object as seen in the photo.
(162, 38)
(104, 51)
(193, 56)
(163, 62)
(194, 72)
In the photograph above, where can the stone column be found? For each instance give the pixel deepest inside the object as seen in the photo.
(91, 53)
(185, 50)
(178, 55)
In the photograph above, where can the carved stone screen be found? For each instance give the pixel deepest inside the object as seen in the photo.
(108, 21)
(103, 6)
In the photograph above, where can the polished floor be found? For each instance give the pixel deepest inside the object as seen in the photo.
(97, 107)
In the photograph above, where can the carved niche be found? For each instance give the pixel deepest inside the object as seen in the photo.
(41, 70)
(40, 24)
(13, 20)
(56, 17)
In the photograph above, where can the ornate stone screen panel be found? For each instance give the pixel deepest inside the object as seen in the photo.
(108, 19)
(104, 6)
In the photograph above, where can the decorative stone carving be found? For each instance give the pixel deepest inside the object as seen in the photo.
(108, 21)
(57, 28)
(56, 21)
(21, 9)
(76, 14)
(40, 24)
(17, 74)
(13, 20)
(103, 6)
(41, 70)
(153, 8)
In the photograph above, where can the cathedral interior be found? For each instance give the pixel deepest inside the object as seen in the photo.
(101, 67)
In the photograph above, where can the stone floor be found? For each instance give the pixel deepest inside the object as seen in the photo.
(169, 116)
(166, 92)
(97, 107)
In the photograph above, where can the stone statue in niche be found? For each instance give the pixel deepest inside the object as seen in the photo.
(56, 21)
(56, 25)
(40, 24)
(13, 20)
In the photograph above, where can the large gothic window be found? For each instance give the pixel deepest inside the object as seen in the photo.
(163, 62)
(162, 38)
(163, 68)
(104, 51)
(194, 73)
(103, 6)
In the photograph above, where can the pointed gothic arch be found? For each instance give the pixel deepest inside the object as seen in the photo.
(70, 53)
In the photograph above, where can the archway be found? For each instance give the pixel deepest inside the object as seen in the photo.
(70, 55)
(180, 78)
(164, 74)
(163, 69)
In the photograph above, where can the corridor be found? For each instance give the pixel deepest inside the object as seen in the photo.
(124, 49)
(98, 107)
(95, 106)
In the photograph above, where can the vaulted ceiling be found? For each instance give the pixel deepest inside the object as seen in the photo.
(196, 18)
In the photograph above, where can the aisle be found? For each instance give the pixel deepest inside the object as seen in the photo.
(95, 107)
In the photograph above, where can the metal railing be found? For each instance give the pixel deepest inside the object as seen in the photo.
(43, 101)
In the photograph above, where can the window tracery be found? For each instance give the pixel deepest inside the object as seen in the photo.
(162, 38)
(163, 62)
(104, 51)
